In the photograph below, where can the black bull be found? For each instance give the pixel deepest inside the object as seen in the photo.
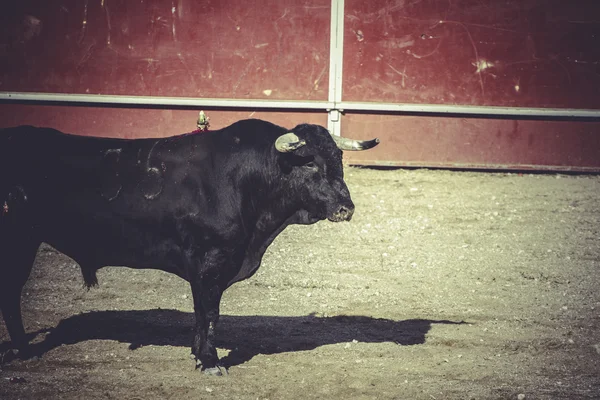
(204, 206)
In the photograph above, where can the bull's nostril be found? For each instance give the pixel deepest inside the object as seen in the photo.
(343, 213)
(346, 212)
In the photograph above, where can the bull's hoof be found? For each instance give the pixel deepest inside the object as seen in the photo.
(215, 371)
(8, 356)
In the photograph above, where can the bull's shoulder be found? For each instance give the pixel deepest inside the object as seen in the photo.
(253, 126)
(24, 130)
(244, 134)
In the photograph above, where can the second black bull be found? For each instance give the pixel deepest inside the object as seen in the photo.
(204, 206)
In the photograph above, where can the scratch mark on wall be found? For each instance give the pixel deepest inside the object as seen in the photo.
(173, 19)
(242, 76)
(317, 81)
(151, 61)
(564, 69)
(108, 24)
(182, 60)
(283, 15)
(542, 60)
(398, 43)
(244, 17)
(482, 65)
(477, 59)
(143, 81)
(84, 22)
(402, 74)
(360, 36)
(420, 56)
(209, 68)
(278, 31)
(85, 57)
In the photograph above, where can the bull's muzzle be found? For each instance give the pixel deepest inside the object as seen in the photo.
(343, 213)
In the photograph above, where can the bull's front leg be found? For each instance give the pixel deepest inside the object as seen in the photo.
(207, 296)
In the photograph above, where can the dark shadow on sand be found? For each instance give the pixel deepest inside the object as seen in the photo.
(244, 336)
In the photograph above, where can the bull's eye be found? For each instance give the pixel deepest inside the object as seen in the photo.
(311, 165)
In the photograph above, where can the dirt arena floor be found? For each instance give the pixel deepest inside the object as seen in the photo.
(445, 285)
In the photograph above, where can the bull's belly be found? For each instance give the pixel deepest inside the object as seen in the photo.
(112, 243)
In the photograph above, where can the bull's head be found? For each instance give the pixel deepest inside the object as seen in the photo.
(313, 159)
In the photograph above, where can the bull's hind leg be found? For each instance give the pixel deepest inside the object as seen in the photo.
(17, 254)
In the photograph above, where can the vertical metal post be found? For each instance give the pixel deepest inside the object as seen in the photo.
(336, 62)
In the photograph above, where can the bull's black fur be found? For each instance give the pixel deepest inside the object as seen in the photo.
(204, 206)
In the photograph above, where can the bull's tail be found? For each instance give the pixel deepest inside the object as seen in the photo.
(89, 276)
(11, 140)
(13, 197)
(4, 149)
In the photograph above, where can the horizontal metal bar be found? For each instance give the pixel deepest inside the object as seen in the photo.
(476, 166)
(469, 110)
(163, 101)
(300, 105)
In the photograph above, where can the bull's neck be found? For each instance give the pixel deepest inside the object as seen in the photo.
(270, 195)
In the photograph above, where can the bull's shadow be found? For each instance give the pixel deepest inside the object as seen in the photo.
(244, 336)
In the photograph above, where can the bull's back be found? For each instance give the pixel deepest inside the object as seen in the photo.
(28, 152)
(59, 172)
(78, 192)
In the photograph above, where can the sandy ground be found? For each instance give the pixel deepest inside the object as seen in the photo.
(445, 285)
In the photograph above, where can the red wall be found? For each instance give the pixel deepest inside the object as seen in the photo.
(520, 53)
(515, 53)
(277, 49)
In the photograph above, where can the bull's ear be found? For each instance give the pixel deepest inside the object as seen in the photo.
(288, 142)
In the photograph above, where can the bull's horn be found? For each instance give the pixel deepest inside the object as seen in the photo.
(288, 142)
(351, 144)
